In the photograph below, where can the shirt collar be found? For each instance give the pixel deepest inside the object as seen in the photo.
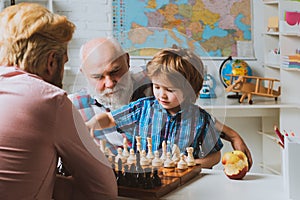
(8, 71)
(185, 108)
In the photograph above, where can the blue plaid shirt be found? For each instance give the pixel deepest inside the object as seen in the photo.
(192, 126)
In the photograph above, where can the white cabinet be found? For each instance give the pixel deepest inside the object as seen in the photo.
(289, 40)
(278, 44)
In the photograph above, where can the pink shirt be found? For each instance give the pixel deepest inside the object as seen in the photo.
(38, 124)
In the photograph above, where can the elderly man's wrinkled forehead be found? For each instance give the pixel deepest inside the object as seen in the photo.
(98, 53)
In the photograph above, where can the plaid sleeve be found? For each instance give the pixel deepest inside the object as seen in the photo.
(83, 102)
(210, 140)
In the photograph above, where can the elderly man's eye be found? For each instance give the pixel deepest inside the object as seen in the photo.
(96, 76)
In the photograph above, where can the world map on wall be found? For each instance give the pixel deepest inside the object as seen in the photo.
(208, 27)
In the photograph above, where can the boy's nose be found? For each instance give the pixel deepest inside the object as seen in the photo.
(162, 94)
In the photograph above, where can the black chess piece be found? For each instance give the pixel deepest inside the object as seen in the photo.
(127, 176)
(148, 184)
(133, 179)
(141, 178)
(155, 178)
(120, 176)
(113, 166)
(139, 168)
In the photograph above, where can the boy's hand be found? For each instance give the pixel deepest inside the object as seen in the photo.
(101, 121)
(93, 123)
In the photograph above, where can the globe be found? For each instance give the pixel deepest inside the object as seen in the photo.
(233, 67)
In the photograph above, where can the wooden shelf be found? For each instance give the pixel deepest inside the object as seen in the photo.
(270, 135)
(270, 1)
(297, 34)
(291, 69)
(273, 66)
(272, 33)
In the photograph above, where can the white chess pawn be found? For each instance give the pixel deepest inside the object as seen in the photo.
(132, 158)
(175, 153)
(169, 163)
(125, 148)
(120, 156)
(150, 155)
(138, 143)
(182, 164)
(144, 160)
(157, 162)
(108, 152)
(190, 158)
(164, 151)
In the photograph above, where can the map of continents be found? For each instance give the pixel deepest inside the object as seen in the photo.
(209, 27)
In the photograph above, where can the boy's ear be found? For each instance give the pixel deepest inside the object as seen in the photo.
(51, 64)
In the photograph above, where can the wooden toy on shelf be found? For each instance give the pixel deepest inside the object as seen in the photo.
(273, 24)
(246, 86)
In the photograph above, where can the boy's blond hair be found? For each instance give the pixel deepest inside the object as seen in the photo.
(29, 32)
(180, 66)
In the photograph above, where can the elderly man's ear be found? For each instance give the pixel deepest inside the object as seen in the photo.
(127, 59)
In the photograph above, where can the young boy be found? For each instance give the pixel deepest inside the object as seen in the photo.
(171, 116)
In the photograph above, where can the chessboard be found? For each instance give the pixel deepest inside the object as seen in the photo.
(153, 174)
(171, 178)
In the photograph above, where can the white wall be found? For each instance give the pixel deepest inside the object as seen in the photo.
(93, 19)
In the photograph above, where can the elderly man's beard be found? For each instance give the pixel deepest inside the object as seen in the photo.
(121, 93)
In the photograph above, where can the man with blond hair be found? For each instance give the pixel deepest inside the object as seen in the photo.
(38, 121)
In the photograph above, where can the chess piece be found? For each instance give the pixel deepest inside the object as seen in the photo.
(156, 179)
(125, 148)
(144, 160)
(128, 176)
(138, 143)
(120, 176)
(190, 158)
(150, 155)
(148, 184)
(140, 172)
(175, 153)
(109, 154)
(102, 144)
(182, 163)
(138, 162)
(120, 156)
(131, 159)
(113, 166)
(164, 151)
(133, 175)
(157, 162)
(169, 163)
